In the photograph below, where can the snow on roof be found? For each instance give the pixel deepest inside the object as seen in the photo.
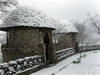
(4, 0)
(10, 1)
(68, 27)
(27, 16)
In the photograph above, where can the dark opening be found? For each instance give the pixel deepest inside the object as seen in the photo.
(46, 41)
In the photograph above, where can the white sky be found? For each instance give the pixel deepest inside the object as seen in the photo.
(65, 9)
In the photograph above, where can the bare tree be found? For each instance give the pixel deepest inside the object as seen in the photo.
(82, 32)
(6, 7)
(91, 41)
(94, 20)
(59, 27)
(56, 33)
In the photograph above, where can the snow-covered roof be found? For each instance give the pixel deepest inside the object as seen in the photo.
(68, 27)
(4, 0)
(27, 16)
(10, 1)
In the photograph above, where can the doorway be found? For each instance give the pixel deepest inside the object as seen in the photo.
(47, 43)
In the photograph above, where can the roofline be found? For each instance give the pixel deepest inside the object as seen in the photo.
(7, 28)
(68, 33)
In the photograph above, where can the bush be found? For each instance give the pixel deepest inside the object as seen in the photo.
(79, 59)
(76, 62)
(52, 74)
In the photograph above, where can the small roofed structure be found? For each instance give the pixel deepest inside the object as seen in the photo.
(29, 33)
(67, 36)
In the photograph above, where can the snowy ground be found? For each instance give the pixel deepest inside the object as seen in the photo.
(90, 65)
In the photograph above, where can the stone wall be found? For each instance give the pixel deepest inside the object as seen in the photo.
(26, 41)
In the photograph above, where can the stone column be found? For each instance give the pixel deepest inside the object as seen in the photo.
(76, 47)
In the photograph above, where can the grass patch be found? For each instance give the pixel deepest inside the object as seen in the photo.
(79, 59)
(76, 62)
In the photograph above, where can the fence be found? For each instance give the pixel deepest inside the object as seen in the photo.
(28, 63)
(69, 51)
(64, 53)
(91, 47)
(21, 65)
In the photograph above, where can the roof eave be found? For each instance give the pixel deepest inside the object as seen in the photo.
(8, 28)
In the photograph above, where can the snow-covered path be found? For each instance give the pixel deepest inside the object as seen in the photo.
(90, 65)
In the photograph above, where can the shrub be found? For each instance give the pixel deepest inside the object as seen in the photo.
(52, 74)
(76, 62)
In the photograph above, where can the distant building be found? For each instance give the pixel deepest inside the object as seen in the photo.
(67, 37)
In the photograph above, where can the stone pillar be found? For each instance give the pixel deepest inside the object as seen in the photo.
(76, 47)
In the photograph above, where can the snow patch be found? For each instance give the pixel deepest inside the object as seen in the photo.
(88, 66)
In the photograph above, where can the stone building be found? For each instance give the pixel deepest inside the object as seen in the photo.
(29, 33)
(66, 37)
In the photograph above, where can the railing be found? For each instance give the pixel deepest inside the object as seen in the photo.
(21, 65)
(92, 47)
(64, 53)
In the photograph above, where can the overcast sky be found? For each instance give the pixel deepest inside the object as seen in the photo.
(65, 9)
